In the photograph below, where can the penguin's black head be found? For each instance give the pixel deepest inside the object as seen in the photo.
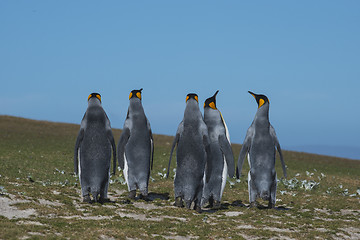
(192, 95)
(211, 101)
(260, 99)
(135, 93)
(96, 95)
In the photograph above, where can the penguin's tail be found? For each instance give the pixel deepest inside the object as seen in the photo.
(95, 195)
(265, 195)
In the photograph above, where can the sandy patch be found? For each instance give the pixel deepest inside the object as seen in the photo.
(247, 237)
(30, 223)
(325, 219)
(117, 192)
(78, 206)
(146, 206)
(110, 206)
(273, 217)
(233, 214)
(350, 212)
(50, 203)
(87, 217)
(176, 237)
(349, 233)
(141, 217)
(354, 233)
(281, 230)
(11, 212)
(245, 227)
(32, 235)
(176, 218)
(324, 211)
(104, 237)
(144, 217)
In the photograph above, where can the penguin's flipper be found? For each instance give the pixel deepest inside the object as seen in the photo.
(176, 140)
(208, 168)
(229, 156)
(152, 149)
(206, 140)
(110, 137)
(277, 144)
(113, 146)
(244, 150)
(77, 145)
(78, 142)
(208, 165)
(172, 149)
(152, 144)
(121, 145)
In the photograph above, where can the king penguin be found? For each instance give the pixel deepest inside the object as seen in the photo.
(192, 142)
(136, 147)
(221, 159)
(260, 143)
(92, 155)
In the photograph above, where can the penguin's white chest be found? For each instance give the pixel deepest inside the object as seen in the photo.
(79, 165)
(126, 171)
(223, 177)
(225, 170)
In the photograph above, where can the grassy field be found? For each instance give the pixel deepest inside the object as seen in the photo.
(40, 196)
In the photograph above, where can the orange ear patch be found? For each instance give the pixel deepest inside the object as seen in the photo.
(138, 94)
(261, 102)
(212, 105)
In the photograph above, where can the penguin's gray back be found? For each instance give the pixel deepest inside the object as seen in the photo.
(190, 147)
(140, 135)
(190, 154)
(138, 147)
(95, 149)
(95, 143)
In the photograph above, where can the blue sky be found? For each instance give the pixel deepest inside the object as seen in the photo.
(304, 55)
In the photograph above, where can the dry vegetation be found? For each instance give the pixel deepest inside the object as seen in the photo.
(40, 196)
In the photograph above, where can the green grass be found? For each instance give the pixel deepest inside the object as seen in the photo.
(37, 173)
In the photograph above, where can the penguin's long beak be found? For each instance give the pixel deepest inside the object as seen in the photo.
(215, 93)
(258, 99)
(254, 95)
(212, 104)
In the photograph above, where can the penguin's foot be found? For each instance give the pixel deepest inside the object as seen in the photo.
(271, 205)
(197, 208)
(216, 205)
(188, 204)
(132, 194)
(144, 197)
(107, 200)
(87, 199)
(253, 204)
(211, 202)
(103, 200)
(179, 202)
